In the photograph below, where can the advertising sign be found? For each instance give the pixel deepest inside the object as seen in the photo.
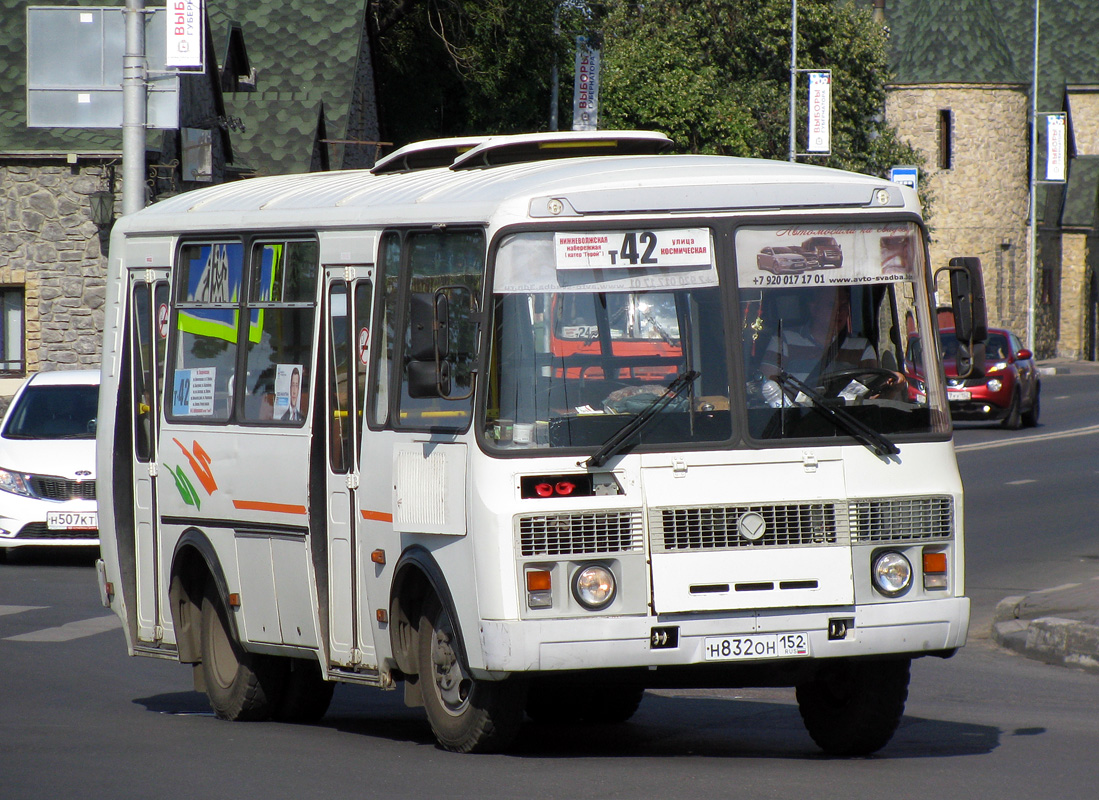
(585, 95)
(185, 37)
(820, 112)
(1056, 162)
(826, 255)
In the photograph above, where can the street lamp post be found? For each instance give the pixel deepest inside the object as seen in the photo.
(793, 78)
(1032, 255)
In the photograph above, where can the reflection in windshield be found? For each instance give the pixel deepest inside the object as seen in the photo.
(54, 412)
(840, 329)
(571, 369)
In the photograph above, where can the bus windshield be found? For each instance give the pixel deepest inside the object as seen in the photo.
(578, 353)
(827, 315)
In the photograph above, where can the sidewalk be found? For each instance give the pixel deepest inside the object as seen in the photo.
(1058, 625)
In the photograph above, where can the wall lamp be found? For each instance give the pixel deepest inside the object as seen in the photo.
(102, 202)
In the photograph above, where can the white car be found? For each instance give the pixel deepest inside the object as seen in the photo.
(47, 462)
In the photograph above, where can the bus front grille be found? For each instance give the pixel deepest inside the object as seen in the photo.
(901, 519)
(726, 527)
(582, 533)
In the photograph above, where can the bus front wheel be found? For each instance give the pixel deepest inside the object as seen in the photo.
(466, 715)
(240, 685)
(852, 708)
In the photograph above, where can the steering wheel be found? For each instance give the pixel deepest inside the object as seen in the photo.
(875, 379)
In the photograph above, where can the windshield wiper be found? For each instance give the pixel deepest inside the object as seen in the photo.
(841, 418)
(620, 437)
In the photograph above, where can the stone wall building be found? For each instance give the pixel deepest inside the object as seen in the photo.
(962, 94)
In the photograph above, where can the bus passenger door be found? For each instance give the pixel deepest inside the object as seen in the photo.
(148, 337)
(348, 301)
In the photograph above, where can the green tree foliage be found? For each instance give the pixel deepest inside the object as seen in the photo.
(457, 67)
(712, 74)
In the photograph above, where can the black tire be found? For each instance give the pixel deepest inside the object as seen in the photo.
(852, 708)
(598, 703)
(466, 715)
(306, 695)
(1030, 416)
(239, 685)
(1014, 419)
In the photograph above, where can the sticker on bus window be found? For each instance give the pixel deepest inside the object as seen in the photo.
(288, 392)
(815, 255)
(641, 249)
(193, 392)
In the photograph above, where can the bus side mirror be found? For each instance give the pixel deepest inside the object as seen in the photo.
(430, 322)
(967, 299)
(425, 379)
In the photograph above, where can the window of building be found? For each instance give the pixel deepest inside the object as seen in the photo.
(12, 331)
(946, 138)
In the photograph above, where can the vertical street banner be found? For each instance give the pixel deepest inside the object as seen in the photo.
(185, 34)
(820, 112)
(1056, 159)
(585, 94)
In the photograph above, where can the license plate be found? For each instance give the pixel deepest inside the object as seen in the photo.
(757, 645)
(72, 520)
(958, 395)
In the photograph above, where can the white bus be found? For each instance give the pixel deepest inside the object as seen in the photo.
(532, 424)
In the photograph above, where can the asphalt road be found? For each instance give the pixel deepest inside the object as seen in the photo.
(78, 718)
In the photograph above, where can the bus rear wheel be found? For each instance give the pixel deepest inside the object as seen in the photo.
(466, 715)
(239, 685)
(852, 708)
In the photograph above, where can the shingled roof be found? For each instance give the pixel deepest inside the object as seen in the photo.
(313, 81)
(992, 41)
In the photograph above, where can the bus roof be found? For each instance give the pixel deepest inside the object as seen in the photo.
(581, 187)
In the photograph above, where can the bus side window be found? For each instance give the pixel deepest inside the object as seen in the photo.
(281, 310)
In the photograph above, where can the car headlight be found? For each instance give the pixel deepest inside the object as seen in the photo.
(14, 482)
(594, 587)
(995, 385)
(892, 573)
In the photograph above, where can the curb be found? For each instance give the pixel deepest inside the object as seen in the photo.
(1054, 640)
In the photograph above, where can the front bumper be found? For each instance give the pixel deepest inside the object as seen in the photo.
(911, 628)
(23, 523)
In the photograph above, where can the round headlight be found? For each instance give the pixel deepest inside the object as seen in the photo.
(593, 586)
(892, 573)
(995, 385)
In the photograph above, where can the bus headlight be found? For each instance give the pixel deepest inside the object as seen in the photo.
(593, 587)
(892, 573)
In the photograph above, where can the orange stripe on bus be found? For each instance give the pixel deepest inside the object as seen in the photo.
(380, 516)
(278, 508)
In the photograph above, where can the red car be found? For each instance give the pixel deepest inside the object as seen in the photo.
(1010, 390)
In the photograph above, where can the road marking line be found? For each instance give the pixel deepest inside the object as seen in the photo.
(1061, 588)
(1042, 437)
(19, 609)
(70, 630)
(1022, 482)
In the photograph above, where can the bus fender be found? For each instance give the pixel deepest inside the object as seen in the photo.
(415, 576)
(194, 562)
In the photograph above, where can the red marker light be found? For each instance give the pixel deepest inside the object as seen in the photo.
(544, 489)
(565, 488)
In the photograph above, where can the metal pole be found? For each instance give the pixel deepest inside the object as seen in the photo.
(1032, 255)
(553, 75)
(133, 109)
(793, 78)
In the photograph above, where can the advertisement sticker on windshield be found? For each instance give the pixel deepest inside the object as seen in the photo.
(689, 247)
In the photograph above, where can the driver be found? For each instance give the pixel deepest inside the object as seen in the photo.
(822, 344)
